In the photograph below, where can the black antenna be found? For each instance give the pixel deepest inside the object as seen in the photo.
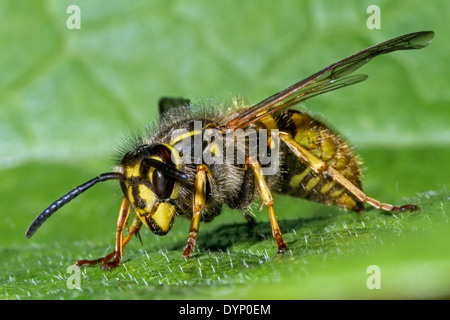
(44, 215)
(165, 168)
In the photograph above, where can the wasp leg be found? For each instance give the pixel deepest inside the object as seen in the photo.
(268, 201)
(199, 203)
(113, 259)
(320, 167)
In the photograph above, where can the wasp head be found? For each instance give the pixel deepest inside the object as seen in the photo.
(151, 184)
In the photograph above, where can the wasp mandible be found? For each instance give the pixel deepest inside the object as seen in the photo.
(164, 173)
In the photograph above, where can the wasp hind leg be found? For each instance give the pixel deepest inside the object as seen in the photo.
(268, 201)
(320, 167)
(113, 259)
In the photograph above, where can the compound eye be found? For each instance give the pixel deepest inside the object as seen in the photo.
(162, 184)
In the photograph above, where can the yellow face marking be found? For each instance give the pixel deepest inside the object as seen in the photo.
(159, 215)
(163, 216)
(297, 179)
(141, 214)
(150, 174)
(174, 194)
(130, 195)
(156, 216)
(133, 171)
(147, 195)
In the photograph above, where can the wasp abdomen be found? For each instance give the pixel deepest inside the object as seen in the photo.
(299, 178)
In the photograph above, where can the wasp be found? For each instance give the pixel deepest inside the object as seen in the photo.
(162, 178)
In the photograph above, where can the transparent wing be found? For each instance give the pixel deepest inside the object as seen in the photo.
(331, 78)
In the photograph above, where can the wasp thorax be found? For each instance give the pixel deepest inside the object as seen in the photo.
(152, 183)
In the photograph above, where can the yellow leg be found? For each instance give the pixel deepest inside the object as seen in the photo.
(268, 201)
(198, 205)
(320, 167)
(133, 230)
(116, 255)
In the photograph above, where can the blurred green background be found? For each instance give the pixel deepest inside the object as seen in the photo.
(69, 98)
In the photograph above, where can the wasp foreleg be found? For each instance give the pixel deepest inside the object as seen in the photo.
(113, 259)
(198, 205)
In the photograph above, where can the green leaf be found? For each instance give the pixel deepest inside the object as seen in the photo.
(69, 98)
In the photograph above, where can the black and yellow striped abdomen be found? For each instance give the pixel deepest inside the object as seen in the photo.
(298, 178)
